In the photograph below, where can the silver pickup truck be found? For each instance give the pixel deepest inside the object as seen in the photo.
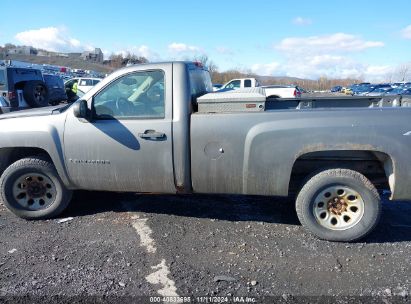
(156, 128)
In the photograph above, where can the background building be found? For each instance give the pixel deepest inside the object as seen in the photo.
(95, 56)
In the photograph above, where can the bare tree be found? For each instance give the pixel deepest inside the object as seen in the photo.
(116, 61)
(403, 71)
(389, 77)
(207, 62)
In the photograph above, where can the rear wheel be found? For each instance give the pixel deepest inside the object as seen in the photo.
(339, 205)
(32, 189)
(36, 94)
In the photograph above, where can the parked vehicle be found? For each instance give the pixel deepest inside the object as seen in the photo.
(83, 83)
(363, 89)
(22, 88)
(401, 84)
(217, 86)
(348, 91)
(272, 91)
(397, 84)
(241, 83)
(135, 131)
(336, 89)
(370, 88)
(406, 92)
(56, 89)
(380, 91)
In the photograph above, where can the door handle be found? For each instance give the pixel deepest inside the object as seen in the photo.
(152, 134)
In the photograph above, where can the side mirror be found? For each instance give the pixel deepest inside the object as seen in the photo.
(80, 109)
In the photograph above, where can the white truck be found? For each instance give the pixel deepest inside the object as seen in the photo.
(273, 91)
(83, 83)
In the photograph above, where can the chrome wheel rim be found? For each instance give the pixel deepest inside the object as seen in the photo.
(34, 191)
(338, 207)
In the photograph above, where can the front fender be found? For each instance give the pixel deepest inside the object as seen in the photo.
(40, 132)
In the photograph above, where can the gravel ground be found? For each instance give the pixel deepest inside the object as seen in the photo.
(122, 246)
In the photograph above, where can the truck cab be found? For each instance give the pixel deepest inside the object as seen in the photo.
(241, 83)
(272, 91)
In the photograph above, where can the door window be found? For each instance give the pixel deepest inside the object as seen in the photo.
(139, 95)
(235, 84)
(86, 82)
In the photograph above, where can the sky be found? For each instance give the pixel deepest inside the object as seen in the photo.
(307, 39)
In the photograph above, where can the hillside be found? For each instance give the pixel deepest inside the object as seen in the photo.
(75, 63)
(217, 77)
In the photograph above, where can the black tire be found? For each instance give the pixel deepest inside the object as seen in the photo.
(36, 94)
(34, 165)
(317, 184)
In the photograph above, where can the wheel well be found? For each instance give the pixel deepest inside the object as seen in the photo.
(11, 155)
(376, 166)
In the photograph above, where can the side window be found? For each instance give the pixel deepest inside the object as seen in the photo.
(247, 83)
(235, 84)
(95, 81)
(86, 82)
(139, 95)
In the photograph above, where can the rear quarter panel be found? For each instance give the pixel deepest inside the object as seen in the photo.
(253, 153)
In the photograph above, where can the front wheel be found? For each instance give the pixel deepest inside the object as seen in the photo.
(339, 205)
(32, 189)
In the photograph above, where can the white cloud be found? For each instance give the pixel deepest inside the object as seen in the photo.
(183, 48)
(265, 69)
(326, 43)
(55, 39)
(302, 21)
(406, 32)
(331, 66)
(378, 70)
(327, 55)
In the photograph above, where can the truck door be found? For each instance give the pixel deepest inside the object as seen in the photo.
(127, 145)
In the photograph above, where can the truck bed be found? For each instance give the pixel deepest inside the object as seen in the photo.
(255, 100)
(337, 102)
